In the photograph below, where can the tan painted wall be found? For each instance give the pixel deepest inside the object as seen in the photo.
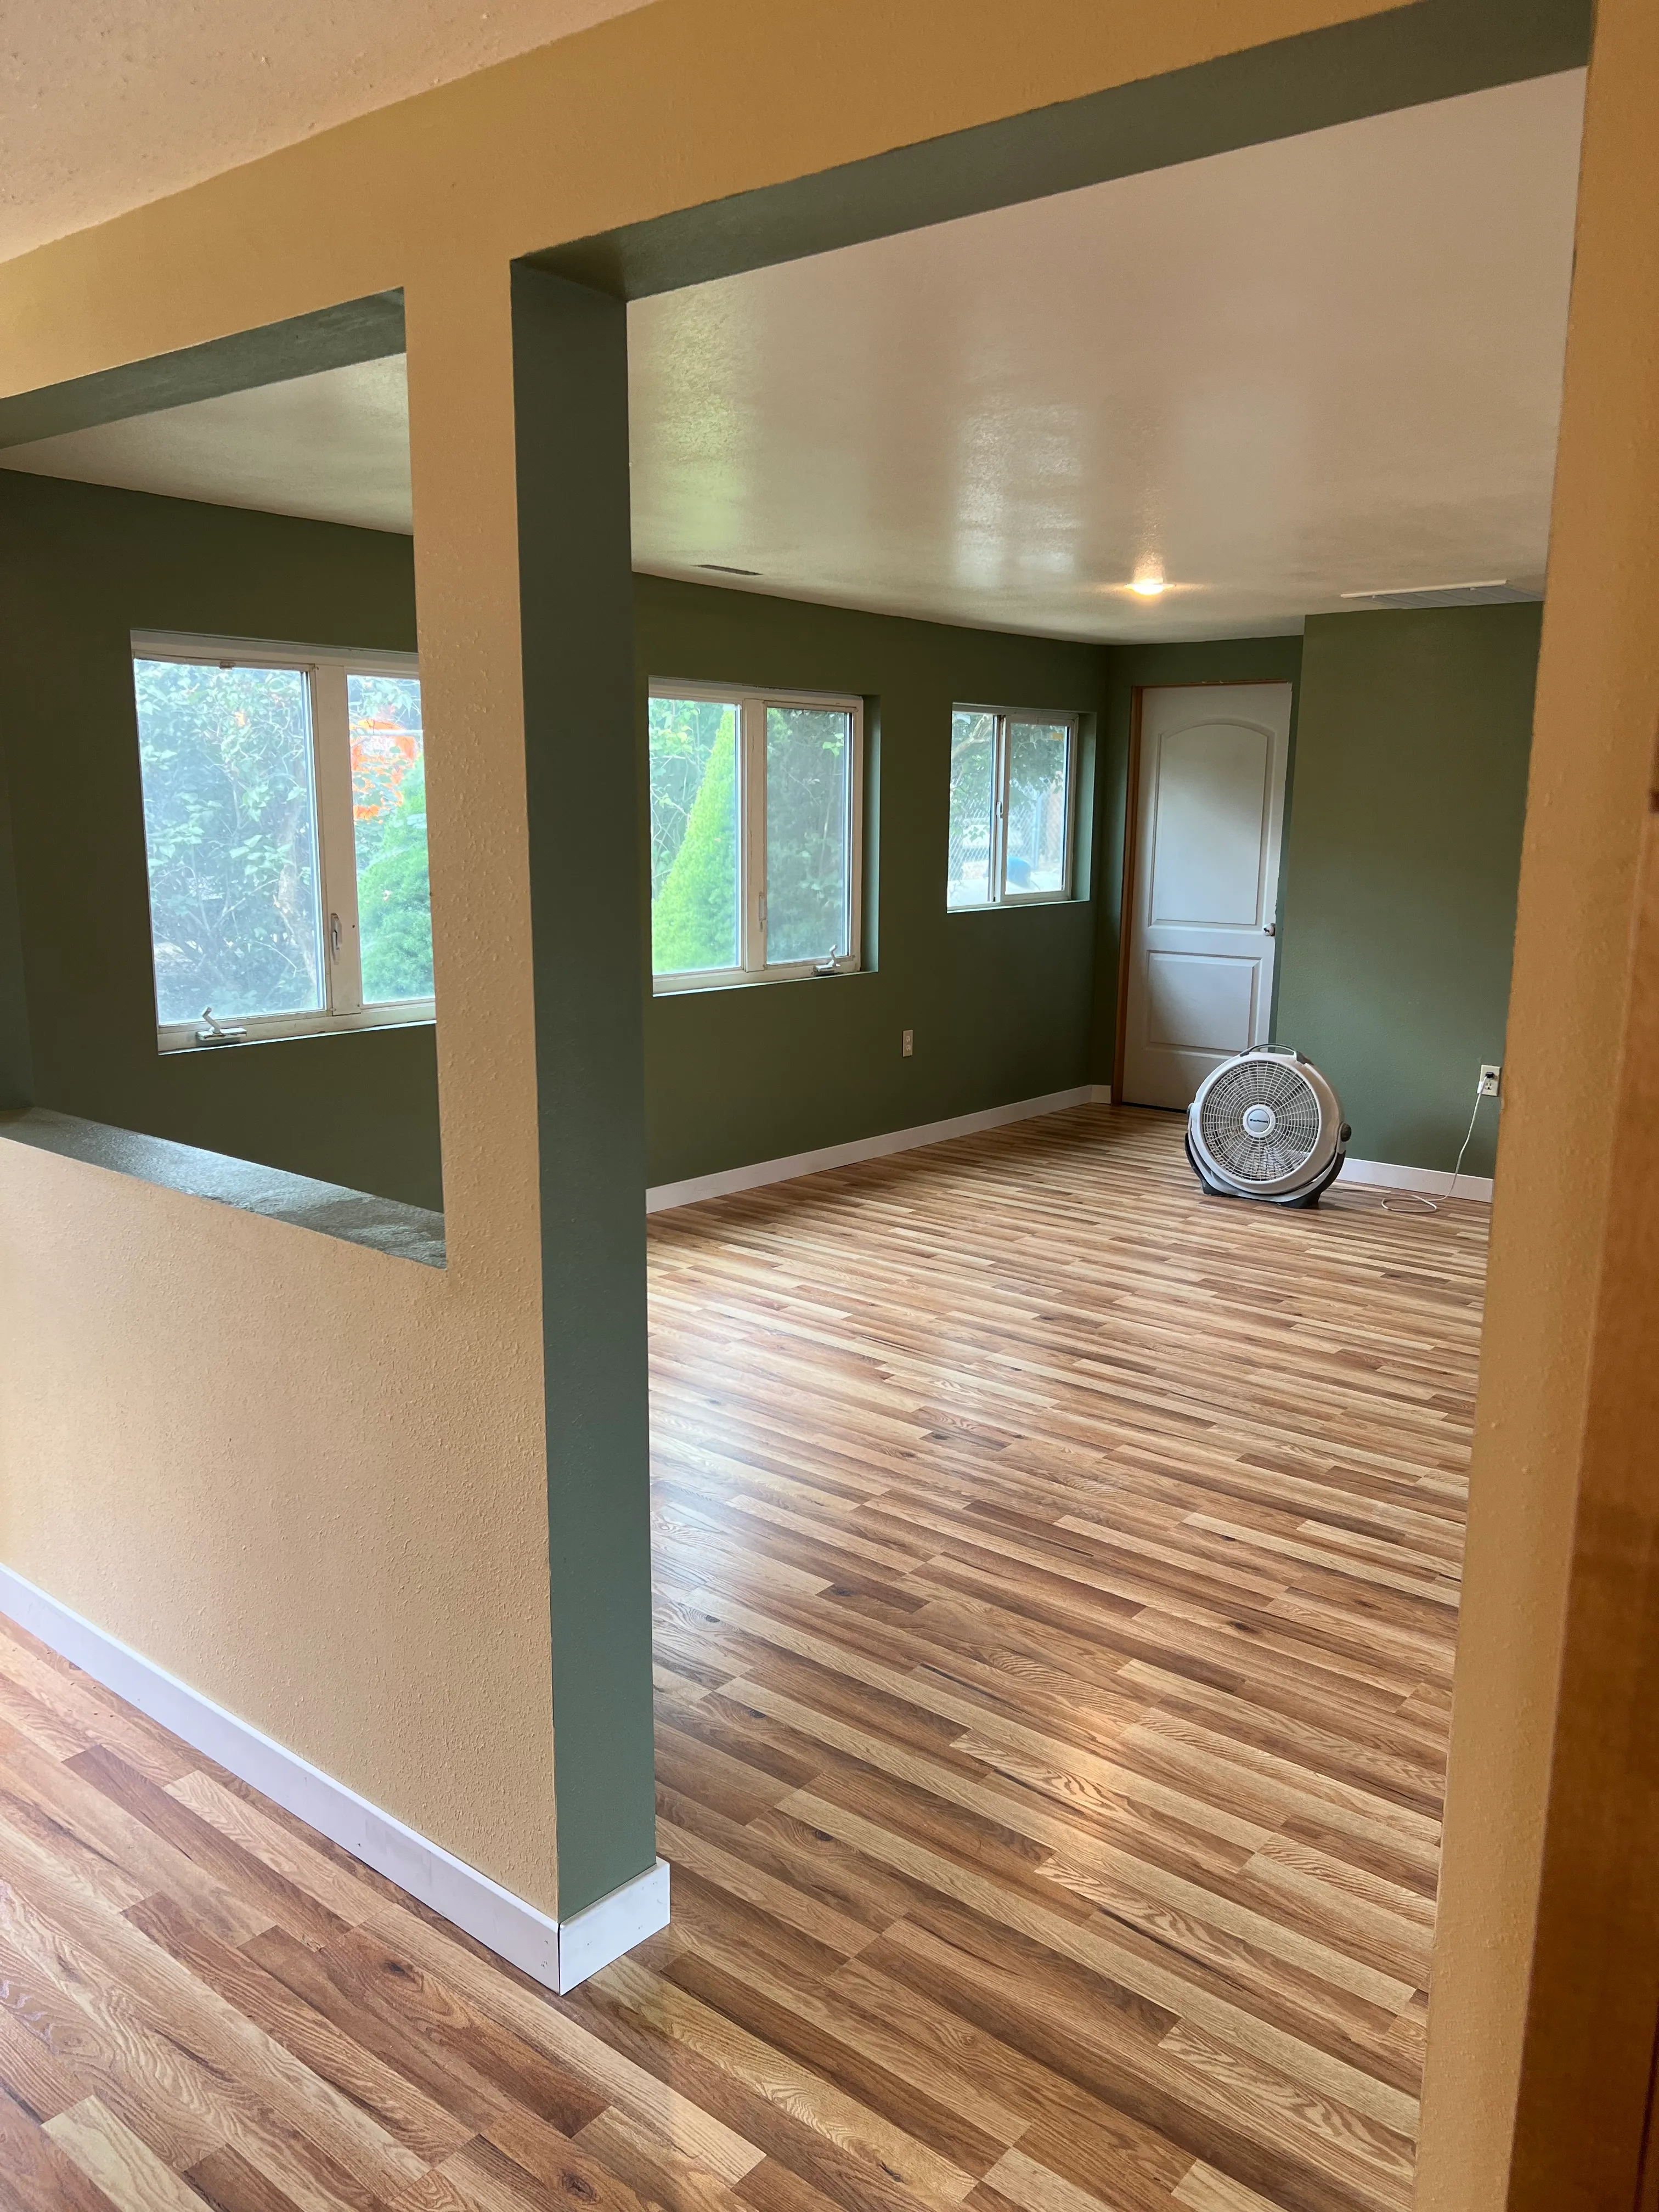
(307, 1479)
(1596, 714)
(301, 1476)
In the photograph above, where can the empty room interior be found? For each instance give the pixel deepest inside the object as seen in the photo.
(828, 1072)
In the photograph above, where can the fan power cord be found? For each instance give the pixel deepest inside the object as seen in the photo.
(1412, 1198)
(1428, 1204)
(1464, 1147)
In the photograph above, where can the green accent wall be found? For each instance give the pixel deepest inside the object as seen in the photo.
(1402, 860)
(1409, 747)
(1001, 1001)
(1130, 668)
(584, 805)
(81, 568)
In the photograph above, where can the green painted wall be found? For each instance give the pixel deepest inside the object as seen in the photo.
(1128, 669)
(1401, 866)
(81, 568)
(1001, 1002)
(1408, 785)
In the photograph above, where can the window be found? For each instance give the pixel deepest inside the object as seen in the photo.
(755, 835)
(1012, 781)
(285, 826)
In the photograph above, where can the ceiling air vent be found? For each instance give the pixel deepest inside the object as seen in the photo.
(1497, 594)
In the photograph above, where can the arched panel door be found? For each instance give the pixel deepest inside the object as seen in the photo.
(1202, 930)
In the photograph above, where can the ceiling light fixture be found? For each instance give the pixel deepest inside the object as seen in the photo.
(1411, 591)
(1490, 591)
(1148, 587)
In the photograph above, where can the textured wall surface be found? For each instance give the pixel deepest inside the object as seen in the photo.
(114, 102)
(222, 1440)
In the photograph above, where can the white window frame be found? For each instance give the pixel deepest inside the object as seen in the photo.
(333, 832)
(752, 964)
(997, 860)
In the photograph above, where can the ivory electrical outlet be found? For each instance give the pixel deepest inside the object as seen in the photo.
(909, 1044)
(1490, 1074)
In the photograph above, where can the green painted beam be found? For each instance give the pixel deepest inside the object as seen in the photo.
(334, 338)
(1401, 57)
(576, 587)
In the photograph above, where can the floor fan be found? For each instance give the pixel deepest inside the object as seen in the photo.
(1265, 1124)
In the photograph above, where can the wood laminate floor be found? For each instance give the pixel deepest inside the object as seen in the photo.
(1057, 1577)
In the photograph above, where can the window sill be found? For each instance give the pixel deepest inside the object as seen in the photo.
(727, 979)
(1013, 905)
(276, 1029)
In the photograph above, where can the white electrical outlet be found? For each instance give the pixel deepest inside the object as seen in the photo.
(909, 1045)
(1490, 1074)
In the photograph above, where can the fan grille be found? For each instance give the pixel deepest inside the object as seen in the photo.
(1291, 1141)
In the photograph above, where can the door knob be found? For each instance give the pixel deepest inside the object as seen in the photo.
(1270, 929)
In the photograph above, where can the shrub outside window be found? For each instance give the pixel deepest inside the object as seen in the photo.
(756, 799)
(285, 833)
(1013, 779)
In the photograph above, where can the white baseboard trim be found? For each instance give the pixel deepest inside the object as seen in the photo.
(663, 1196)
(612, 1924)
(1433, 1182)
(558, 1955)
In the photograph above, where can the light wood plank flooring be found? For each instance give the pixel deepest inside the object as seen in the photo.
(1056, 1581)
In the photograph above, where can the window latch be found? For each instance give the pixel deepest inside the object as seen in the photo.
(212, 1032)
(334, 935)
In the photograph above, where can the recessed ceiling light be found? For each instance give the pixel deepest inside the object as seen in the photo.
(724, 569)
(1147, 587)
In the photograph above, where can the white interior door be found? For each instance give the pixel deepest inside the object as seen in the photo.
(1202, 919)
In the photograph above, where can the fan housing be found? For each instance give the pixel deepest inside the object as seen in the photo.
(1267, 1125)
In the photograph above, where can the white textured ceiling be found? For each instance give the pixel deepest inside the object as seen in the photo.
(1326, 366)
(334, 446)
(105, 104)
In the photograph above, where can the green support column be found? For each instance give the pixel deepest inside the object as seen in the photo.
(570, 390)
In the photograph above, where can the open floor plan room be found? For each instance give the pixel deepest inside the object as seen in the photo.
(1055, 1572)
(828, 1106)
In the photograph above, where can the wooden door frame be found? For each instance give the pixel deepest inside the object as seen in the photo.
(1132, 838)
(1592, 2030)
